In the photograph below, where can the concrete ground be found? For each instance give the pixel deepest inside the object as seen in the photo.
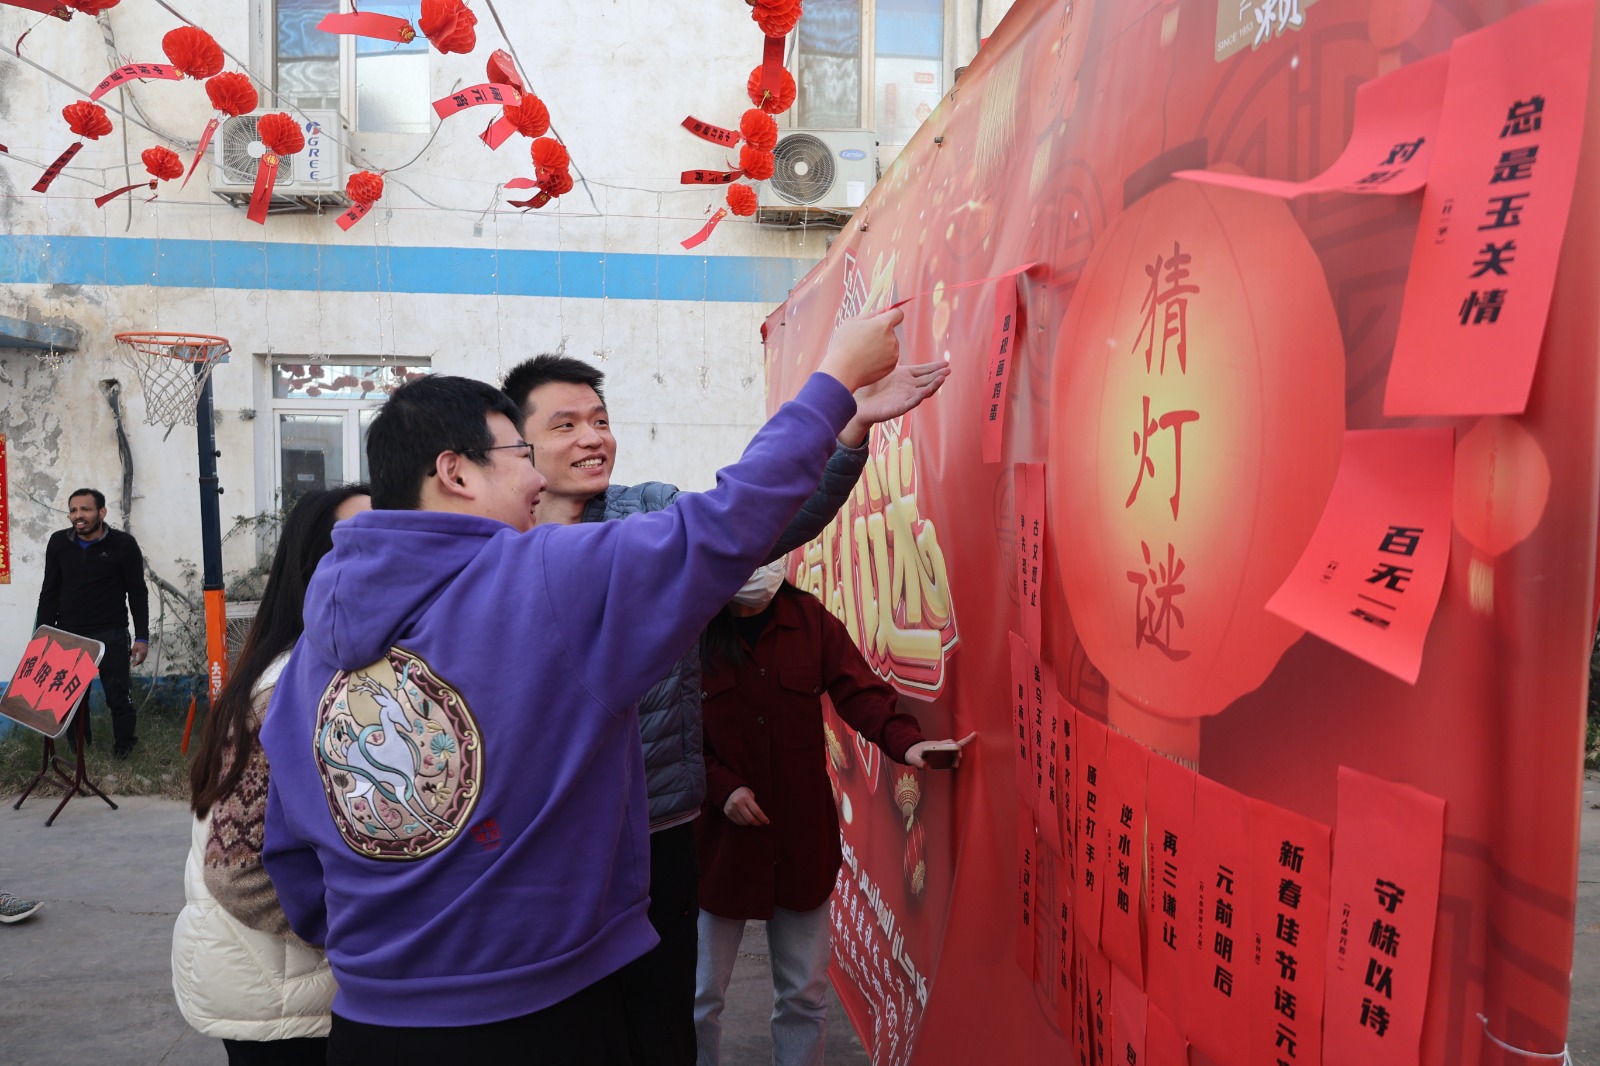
(86, 980)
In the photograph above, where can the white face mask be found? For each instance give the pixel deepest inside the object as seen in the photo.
(762, 586)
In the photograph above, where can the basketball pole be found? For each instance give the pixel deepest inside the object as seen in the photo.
(211, 543)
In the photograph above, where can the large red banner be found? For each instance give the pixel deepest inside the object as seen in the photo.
(1195, 372)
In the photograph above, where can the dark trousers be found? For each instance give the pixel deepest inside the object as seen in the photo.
(658, 987)
(301, 1051)
(581, 1030)
(114, 680)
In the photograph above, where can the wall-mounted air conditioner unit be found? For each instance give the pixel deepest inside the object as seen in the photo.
(820, 176)
(310, 180)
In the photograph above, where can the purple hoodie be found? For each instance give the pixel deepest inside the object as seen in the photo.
(457, 797)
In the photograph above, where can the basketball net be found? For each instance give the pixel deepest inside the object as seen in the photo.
(173, 369)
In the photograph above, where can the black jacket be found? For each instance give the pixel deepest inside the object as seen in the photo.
(90, 589)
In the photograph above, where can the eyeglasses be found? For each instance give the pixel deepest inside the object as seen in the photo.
(527, 449)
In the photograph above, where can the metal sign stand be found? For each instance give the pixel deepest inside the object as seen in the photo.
(77, 782)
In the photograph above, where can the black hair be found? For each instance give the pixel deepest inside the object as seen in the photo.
(433, 414)
(99, 497)
(542, 370)
(306, 537)
(721, 643)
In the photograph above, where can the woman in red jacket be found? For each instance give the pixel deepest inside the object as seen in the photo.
(768, 839)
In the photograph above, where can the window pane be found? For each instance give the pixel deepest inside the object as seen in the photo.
(335, 381)
(308, 59)
(311, 452)
(828, 65)
(392, 80)
(908, 71)
(366, 415)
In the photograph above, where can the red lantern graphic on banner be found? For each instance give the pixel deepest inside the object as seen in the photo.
(1502, 485)
(1198, 398)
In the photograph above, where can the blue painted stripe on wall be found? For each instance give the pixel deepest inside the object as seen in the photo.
(61, 260)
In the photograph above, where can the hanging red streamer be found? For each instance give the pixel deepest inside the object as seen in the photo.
(772, 72)
(53, 171)
(101, 201)
(134, 72)
(707, 132)
(369, 24)
(261, 195)
(699, 238)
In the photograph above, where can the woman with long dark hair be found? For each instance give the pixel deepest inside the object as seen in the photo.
(238, 972)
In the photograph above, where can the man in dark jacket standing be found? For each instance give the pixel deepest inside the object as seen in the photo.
(567, 423)
(93, 576)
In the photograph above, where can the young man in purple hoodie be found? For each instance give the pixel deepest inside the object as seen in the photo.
(457, 798)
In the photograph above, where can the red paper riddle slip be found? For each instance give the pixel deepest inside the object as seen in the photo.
(715, 134)
(1493, 216)
(998, 377)
(43, 7)
(1290, 862)
(1163, 1040)
(1370, 578)
(200, 152)
(772, 65)
(53, 171)
(489, 93)
(1383, 905)
(1025, 679)
(1223, 969)
(498, 133)
(369, 24)
(353, 214)
(1089, 757)
(1169, 806)
(1129, 1010)
(1028, 492)
(1395, 131)
(1028, 853)
(1123, 803)
(135, 72)
(709, 177)
(1047, 754)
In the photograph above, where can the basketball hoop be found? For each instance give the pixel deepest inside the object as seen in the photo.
(173, 369)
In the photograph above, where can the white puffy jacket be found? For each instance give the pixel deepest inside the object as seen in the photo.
(239, 983)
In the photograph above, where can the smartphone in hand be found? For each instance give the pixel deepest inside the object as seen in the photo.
(941, 756)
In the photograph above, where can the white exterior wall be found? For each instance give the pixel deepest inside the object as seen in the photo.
(685, 373)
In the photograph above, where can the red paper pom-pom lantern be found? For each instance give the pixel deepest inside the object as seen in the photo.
(759, 130)
(549, 154)
(364, 187)
(93, 7)
(775, 103)
(449, 26)
(281, 134)
(742, 199)
(1167, 579)
(503, 70)
(756, 164)
(232, 93)
(162, 162)
(193, 51)
(87, 120)
(777, 18)
(557, 182)
(530, 117)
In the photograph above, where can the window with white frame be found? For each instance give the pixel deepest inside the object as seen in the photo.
(320, 416)
(894, 48)
(390, 81)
